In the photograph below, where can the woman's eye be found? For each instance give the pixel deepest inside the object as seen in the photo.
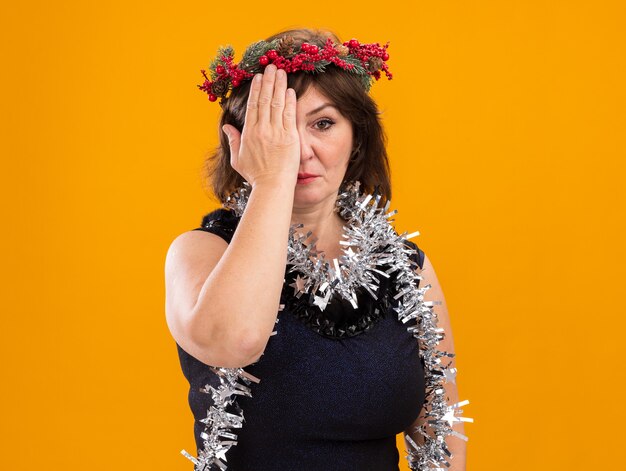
(324, 127)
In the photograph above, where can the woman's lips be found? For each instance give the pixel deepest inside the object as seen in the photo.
(306, 179)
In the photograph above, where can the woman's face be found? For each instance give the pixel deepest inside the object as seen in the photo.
(325, 148)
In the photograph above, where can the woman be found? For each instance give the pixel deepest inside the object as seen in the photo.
(296, 305)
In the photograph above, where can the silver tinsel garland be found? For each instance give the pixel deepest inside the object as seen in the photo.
(368, 230)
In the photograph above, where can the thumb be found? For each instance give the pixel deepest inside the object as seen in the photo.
(233, 139)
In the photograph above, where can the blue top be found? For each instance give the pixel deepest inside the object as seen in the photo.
(323, 402)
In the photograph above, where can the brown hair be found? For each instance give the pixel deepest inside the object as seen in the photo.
(369, 163)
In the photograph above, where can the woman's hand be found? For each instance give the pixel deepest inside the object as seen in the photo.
(268, 148)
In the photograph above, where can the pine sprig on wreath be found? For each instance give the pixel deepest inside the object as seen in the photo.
(251, 56)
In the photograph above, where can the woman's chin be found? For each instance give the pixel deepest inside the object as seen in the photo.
(300, 198)
(306, 196)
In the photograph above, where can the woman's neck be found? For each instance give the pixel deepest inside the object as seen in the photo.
(325, 224)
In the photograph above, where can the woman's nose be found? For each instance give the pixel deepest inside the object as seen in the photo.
(306, 150)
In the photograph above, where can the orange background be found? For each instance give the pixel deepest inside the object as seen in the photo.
(506, 132)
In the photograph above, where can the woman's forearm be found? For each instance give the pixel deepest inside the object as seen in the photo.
(238, 304)
(456, 445)
(458, 448)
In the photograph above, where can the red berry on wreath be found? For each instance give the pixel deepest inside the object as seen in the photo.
(385, 56)
(272, 54)
(313, 49)
(235, 82)
(219, 69)
(263, 60)
(353, 43)
(212, 97)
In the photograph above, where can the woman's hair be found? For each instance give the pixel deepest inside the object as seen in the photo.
(369, 163)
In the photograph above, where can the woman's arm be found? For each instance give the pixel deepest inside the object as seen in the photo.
(222, 302)
(222, 299)
(455, 444)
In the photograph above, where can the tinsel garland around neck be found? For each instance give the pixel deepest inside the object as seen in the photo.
(343, 297)
(380, 252)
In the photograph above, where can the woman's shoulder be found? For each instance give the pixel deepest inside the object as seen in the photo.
(418, 255)
(220, 221)
(223, 216)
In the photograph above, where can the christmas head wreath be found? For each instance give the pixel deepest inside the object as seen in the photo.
(364, 60)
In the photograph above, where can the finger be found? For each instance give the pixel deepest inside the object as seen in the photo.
(278, 100)
(289, 114)
(234, 141)
(252, 106)
(267, 91)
